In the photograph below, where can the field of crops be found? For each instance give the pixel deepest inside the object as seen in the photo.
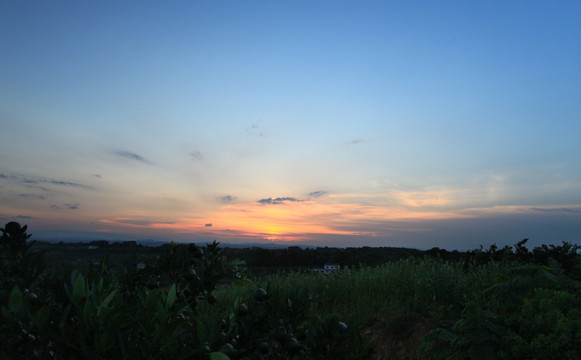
(410, 287)
(190, 302)
(388, 300)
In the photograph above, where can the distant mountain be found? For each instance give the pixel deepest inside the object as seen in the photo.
(251, 245)
(155, 243)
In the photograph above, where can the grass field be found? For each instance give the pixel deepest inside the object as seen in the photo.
(427, 286)
(510, 302)
(386, 301)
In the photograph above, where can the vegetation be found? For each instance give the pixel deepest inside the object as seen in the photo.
(151, 312)
(191, 302)
(532, 311)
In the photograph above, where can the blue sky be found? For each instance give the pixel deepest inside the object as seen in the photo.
(415, 124)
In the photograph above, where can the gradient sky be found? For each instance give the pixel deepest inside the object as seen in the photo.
(331, 123)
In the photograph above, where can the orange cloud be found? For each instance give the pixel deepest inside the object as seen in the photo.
(378, 214)
(295, 220)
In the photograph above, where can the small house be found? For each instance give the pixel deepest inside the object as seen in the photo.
(328, 268)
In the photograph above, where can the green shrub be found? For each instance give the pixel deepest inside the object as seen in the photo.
(152, 313)
(267, 325)
(534, 313)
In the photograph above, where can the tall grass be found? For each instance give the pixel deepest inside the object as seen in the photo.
(406, 288)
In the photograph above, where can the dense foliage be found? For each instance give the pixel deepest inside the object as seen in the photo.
(151, 312)
(531, 312)
(192, 302)
(267, 261)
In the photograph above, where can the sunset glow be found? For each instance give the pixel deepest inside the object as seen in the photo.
(417, 124)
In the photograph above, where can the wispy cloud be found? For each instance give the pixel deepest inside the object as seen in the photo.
(276, 201)
(317, 193)
(64, 183)
(39, 187)
(208, 225)
(353, 142)
(196, 155)
(571, 210)
(135, 222)
(254, 130)
(72, 206)
(227, 198)
(40, 180)
(23, 217)
(132, 156)
(337, 216)
(31, 196)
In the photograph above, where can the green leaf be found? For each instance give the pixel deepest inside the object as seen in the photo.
(443, 335)
(161, 313)
(202, 328)
(171, 297)
(151, 300)
(79, 290)
(481, 353)
(88, 309)
(217, 355)
(15, 300)
(42, 316)
(107, 300)
(100, 284)
(6, 314)
(553, 279)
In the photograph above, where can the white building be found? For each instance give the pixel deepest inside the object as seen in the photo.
(328, 268)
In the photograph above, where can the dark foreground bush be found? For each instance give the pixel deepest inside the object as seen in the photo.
(533, 313)
(150, 313)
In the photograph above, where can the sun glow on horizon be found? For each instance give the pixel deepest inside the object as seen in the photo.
(292, 221)
(300, 221)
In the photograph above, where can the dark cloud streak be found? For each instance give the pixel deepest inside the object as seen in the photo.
(317, 193)
(558, 210)
(254, 130)
(276, 201)
(139, 222)
(36, 181)
(39, 197)
(40, 188)
(132, 156)
(353, 142)
(196, 154)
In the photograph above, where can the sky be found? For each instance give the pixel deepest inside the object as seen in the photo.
(419, 124)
